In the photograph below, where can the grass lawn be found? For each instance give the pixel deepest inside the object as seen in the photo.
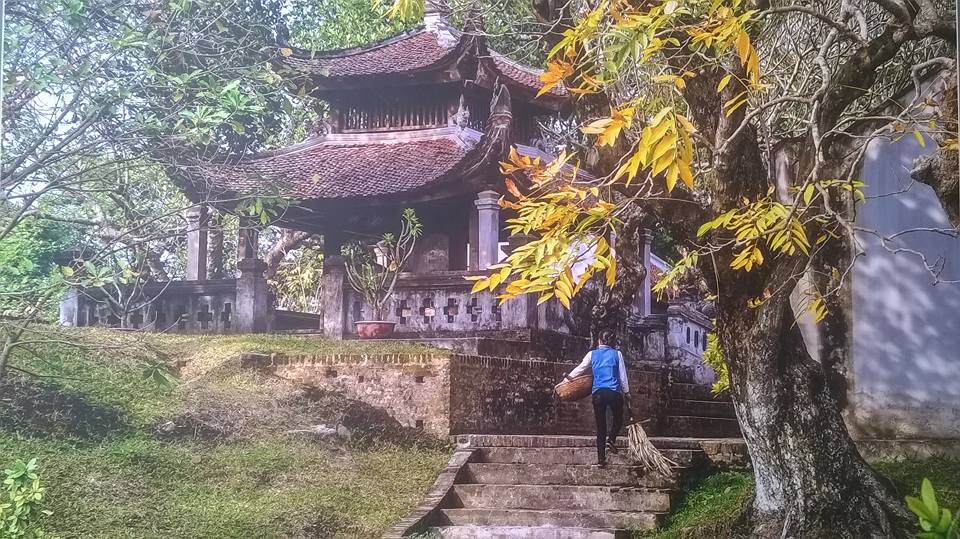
(111, 470)
(718, 499)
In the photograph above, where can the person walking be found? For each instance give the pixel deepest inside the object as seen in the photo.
(610, 390)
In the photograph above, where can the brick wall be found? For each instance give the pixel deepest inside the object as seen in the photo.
(412, 388)
(508, 396)
(458, 394)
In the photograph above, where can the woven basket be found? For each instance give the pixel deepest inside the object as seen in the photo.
(575, 389)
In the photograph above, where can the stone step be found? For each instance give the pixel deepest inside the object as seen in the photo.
(560, 498)
(553, 440)
(565, 518)
(703, 427)
(578, 475)
(584, 455)
(681, 391)
(710, 408)
(509, 532)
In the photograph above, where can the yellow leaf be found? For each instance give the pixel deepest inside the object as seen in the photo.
(672, 174)
(743, 46)
(611, 272)
(512, 187)
(479, 285)
(724, 82)
(556, 71)
(286, 51)
(665, 161)
(685, 175)
(564, 299)
(920, 140)
(808, 194)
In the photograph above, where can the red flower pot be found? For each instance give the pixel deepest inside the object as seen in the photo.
(374, 329)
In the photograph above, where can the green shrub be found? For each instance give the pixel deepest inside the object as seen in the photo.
(20, 502)
(713, 358)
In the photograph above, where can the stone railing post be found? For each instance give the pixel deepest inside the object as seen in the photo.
(253, 297)
(334, 297)
(196, 217)
(488, 229)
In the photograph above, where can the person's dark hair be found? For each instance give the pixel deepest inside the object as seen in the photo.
(608, 337)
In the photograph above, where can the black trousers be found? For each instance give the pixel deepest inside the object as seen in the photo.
(603, 399)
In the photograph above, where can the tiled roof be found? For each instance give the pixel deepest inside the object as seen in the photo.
(416, 50)
(412, 51)
(523, 75)
(344, 166)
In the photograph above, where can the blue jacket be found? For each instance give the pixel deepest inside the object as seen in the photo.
(609, 371)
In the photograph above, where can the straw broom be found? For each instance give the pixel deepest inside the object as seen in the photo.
(641, 450)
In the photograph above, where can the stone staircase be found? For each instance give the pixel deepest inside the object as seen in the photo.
(693, 410)
(548, 487)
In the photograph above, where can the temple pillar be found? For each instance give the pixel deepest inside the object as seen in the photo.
(253, 297)
(248, 240)
(215, 260)
(473, 240)
(72, 313)
(334, 297)
(646, 287)
(488, 229)
(196, 217)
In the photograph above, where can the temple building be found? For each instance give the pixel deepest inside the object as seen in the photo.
(420, 120)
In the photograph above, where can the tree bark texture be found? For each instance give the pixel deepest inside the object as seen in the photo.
(810, 479)
(288, 241)
(940, 170)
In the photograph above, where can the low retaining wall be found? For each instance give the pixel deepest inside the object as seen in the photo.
(508, 396)
(412, 388)
(448, 394)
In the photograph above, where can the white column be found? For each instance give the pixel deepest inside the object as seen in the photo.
(488, 229)
(647, 281)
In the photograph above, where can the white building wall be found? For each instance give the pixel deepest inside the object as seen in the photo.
(905, 376)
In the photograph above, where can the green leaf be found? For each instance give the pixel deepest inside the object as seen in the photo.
(929, 498)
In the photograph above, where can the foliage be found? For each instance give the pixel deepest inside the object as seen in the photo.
(373, 270)
(569, 225)
(935, 521)
(298, 281)
(28, 263)
(338, 24)
(713, 358)
(20, 511)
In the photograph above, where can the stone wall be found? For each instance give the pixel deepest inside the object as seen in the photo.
(456, 394)
(507, 396)
(412, 388)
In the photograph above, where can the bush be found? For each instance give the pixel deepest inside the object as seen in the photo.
(20, 501)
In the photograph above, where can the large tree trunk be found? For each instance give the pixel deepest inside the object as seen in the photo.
(810, 479)
(613, 303)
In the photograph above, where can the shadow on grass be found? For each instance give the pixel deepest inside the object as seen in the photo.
(34, 408)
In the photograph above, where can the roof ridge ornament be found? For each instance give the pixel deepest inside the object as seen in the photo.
(436, 20)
